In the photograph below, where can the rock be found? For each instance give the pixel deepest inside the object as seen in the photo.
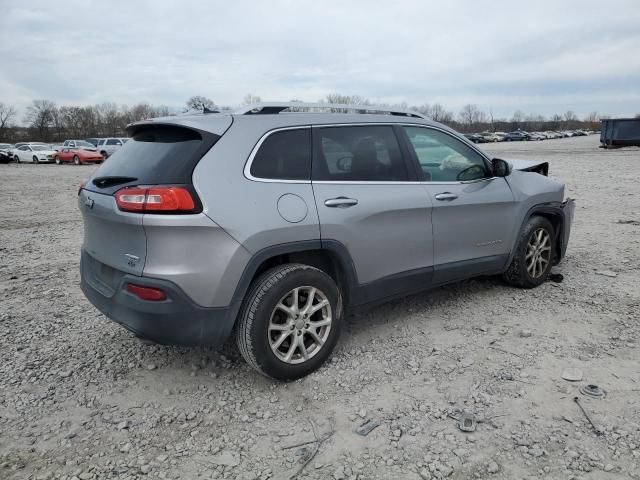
(572, 374)
(493, 467)
(151, 366)
(425, 474)
(227, 458)
(466, 362)
(123, 425)
(608, 467)
(66, 373)
(525, 333)
(338, 474)
(362, 413)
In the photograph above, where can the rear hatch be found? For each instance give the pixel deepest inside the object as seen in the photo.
(153, 167)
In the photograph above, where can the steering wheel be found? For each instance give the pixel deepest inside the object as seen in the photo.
(342, 164)
(474, 172)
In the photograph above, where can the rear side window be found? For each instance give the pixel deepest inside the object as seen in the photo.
(284, 155)
(360, 153)
(158, 154)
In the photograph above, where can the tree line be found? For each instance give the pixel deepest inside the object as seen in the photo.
(48, 122)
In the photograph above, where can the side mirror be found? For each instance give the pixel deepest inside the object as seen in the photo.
(500, 167)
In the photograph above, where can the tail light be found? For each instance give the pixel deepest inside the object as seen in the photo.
(158, 199)
(147, 293)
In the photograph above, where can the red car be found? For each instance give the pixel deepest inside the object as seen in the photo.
(77, 156)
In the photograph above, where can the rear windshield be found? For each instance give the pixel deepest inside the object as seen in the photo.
(158, 154)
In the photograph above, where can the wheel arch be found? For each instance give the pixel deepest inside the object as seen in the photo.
(329, 256)
(555, 214)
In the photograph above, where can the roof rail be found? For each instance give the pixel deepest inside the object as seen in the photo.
(293, 107)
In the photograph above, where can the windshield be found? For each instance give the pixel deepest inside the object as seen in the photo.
(39, 148)
(82, 143)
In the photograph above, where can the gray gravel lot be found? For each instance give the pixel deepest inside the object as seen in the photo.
(81, 398)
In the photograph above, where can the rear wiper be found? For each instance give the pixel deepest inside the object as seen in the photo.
(104, 182)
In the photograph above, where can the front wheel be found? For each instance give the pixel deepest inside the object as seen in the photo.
(534, 254)
(16, 159)
(57, 160)
(290, 321)
(35, 159)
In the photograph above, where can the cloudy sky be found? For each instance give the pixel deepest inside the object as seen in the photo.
(539, 57)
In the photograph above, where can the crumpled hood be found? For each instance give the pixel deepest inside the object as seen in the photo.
(527, 165)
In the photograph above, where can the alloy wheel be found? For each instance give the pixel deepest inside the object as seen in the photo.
(300, 324)
(538, 253)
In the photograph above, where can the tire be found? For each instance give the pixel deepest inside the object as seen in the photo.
(104, 155)
(524, 271)
(35, 159)
(16, 159)
(265, 334)
(76, 160)
(57, 160)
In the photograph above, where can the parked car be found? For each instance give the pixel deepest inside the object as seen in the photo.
(5, 152)
(475, 137)
(78, 156)
(537, 136)
(272, 226)
(490, 137)
(108, 146)
(83, 144)
(33, 153)
(516, 136)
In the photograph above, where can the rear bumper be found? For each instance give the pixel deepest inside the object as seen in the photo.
(174, 321)
(568, 208)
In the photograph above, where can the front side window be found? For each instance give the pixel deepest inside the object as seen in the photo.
(284, 155)
(113, 141)
(358, 153)
(443, 158)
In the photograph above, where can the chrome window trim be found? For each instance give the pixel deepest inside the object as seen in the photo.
(254, 151)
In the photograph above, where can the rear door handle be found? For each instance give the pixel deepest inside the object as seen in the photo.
(341, 202)
(446, 196)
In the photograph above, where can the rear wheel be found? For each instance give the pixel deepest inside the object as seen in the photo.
(76, 160)
(16, 159)
(290, 321)
(534, 254)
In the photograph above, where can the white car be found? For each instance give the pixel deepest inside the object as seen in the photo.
(34, 154)
(107, 146)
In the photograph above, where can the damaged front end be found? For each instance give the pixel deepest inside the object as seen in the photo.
(531, 166)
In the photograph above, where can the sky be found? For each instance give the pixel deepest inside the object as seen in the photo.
(541, 57)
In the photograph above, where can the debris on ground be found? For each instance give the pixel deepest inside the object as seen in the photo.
(592, 391)
(607, 273)
(367, 427)
(593, 425)
(572, 374)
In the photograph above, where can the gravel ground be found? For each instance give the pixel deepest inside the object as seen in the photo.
(81, 398)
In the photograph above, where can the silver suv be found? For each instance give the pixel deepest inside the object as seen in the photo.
(271, 222)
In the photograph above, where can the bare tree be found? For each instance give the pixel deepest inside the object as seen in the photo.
(200, 103)
(517, 119)
(471, 115)
(110, 119)
(346, 99)
(250, 99)
(7, 114)
(40, 116)
(439, 114)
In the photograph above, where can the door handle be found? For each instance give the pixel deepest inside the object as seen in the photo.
(341, 202)
(446, 196)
